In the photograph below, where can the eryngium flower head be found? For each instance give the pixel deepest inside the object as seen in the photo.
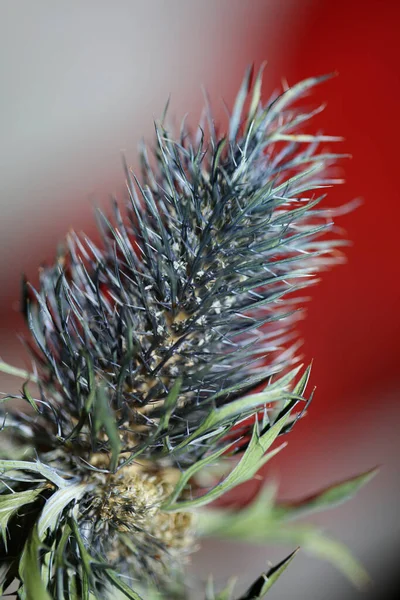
(153, 349)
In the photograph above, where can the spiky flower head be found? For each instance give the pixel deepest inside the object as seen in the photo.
(168, 347)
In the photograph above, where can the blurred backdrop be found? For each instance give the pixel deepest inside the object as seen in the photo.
(82, 81)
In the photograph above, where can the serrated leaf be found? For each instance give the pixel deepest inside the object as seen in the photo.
(189, 473)
(330, 497)
(263, 521)
(232, 524)
(217, 417)
(316, 543)
(254, 457)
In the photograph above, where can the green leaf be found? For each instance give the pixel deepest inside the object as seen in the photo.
(286, 137)
(26, 396)
(239, 525)
(316, 543)
(239, 103)
(86, 558)
(217, 157)
(302, 384)
(37, 467)
(59, 562)
(55, 505)
(264, 521)
(10, 370)
(190, 472)
(89, 563)
(294, 92)
(29, 398)
(30, 570)
(264, 583)
(73, 587)
(258, 589)
(242, 407)
(234, 389)
(226, 593)
(10, 504)
(256, 97)
(252, 460)
(104, 416)
(91, 381)
(85, 586)
(117, 582)
(168, 408)
(328, 498)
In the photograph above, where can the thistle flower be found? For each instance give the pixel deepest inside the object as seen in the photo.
(165, 350)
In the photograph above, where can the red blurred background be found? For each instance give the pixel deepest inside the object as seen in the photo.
(83, 82)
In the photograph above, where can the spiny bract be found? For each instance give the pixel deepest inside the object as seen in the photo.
(165, 349)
